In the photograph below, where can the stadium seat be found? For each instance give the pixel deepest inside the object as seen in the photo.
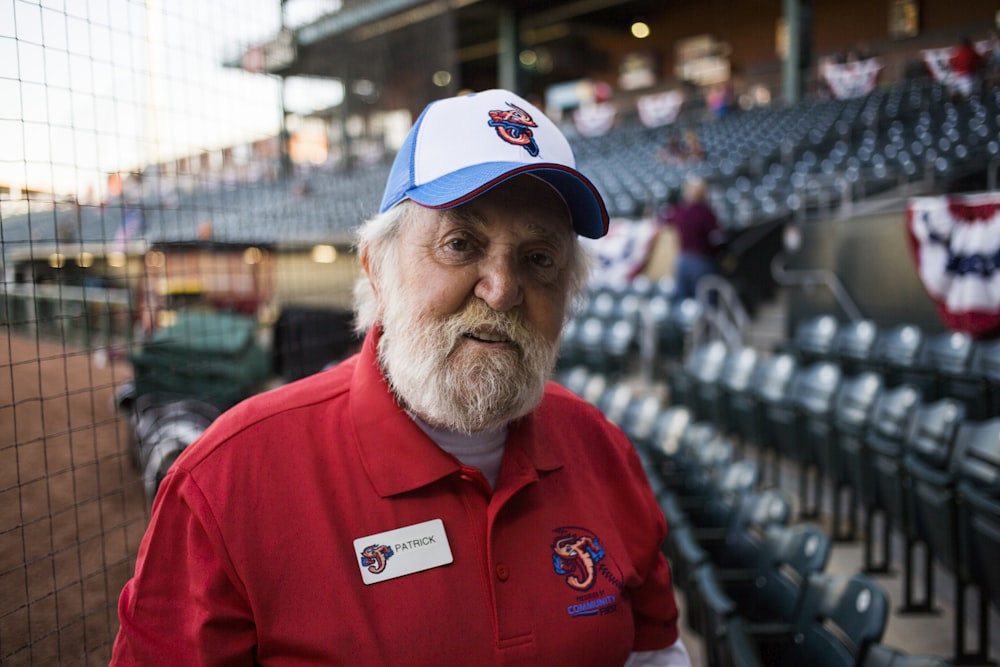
(897, 356)
(932, 465)
(986, 359)
(928, 494)
(573, 378)
(880, 655)
(773, 587)
(704, 367)
(853, 344)
(674, 331)
(978, 495)
(734, 379)
(890, 419)
(601, 303)
(569, 347)
(768, 588)
(692, 472)
(709, 391)
(852, 410)
(618, 348)
(712, 613)
(595, 386)
(639, 419)
(614, 401)
(666, 438)
(813, 339)
(770, 391)
(725, 539)
(712, 503)
(685, 555)
(948, 359)
(744, 409)
(840, 618)
(602, 345)
(800, 419)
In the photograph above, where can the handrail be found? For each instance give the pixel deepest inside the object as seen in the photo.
(722, 313)
(814, 277)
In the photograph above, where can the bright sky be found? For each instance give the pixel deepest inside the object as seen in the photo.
(89, 87)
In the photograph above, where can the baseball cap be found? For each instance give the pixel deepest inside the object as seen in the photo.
(460, 147)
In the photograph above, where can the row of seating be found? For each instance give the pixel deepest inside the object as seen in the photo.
(768, 164)
(616, 328)
(939, 364)
(737, 554)
(756, 587)
(899, 446)
(784, 161)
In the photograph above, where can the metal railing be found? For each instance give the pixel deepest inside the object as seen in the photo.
(88, 317)
(723, 316)
(815, 278)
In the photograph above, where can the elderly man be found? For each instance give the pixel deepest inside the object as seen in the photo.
(432, 500)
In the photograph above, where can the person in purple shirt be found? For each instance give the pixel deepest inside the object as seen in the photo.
(699, 237)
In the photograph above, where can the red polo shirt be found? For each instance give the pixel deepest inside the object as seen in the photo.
(250, 556)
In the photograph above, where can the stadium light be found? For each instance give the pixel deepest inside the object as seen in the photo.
(155, 259)
(323, 254)
(252, 255)
(640, 30)
(441, 78)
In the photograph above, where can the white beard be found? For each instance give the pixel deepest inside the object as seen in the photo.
(458, 385)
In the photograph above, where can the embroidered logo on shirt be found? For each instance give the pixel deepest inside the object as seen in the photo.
(578, 557)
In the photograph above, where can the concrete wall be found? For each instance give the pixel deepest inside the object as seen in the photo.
(872, 258)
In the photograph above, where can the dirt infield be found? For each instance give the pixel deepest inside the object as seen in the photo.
(72, 508)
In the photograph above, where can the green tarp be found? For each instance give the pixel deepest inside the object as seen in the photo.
(208, 355)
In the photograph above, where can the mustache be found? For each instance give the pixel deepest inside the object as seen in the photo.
(480, 318)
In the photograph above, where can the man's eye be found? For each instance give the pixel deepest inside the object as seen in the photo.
(459, 245)
(541, 259)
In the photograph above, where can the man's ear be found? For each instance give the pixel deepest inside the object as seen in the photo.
(369, 272)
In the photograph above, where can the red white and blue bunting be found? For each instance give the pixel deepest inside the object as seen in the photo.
(624, 252)
(938, 61)
(955, 241)
(855, 79)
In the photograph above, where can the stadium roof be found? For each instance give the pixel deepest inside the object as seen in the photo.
(378, 40)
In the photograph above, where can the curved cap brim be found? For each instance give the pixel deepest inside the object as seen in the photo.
(586, 207)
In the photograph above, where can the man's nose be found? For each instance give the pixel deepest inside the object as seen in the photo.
(499, 284)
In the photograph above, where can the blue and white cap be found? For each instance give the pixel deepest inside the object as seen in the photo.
(461, 147)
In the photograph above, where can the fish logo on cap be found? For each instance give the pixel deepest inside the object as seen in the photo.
(514, 126)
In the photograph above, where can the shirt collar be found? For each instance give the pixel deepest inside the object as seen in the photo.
(397, 455)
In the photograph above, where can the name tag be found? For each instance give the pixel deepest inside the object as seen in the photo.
(396, 553)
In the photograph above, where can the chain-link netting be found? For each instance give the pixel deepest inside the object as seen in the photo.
(172, 242)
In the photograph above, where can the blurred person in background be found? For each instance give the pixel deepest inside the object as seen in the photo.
(693, 150)
(699, 237)
(434, 499)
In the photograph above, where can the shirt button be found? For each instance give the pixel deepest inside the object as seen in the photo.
(503, 573)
